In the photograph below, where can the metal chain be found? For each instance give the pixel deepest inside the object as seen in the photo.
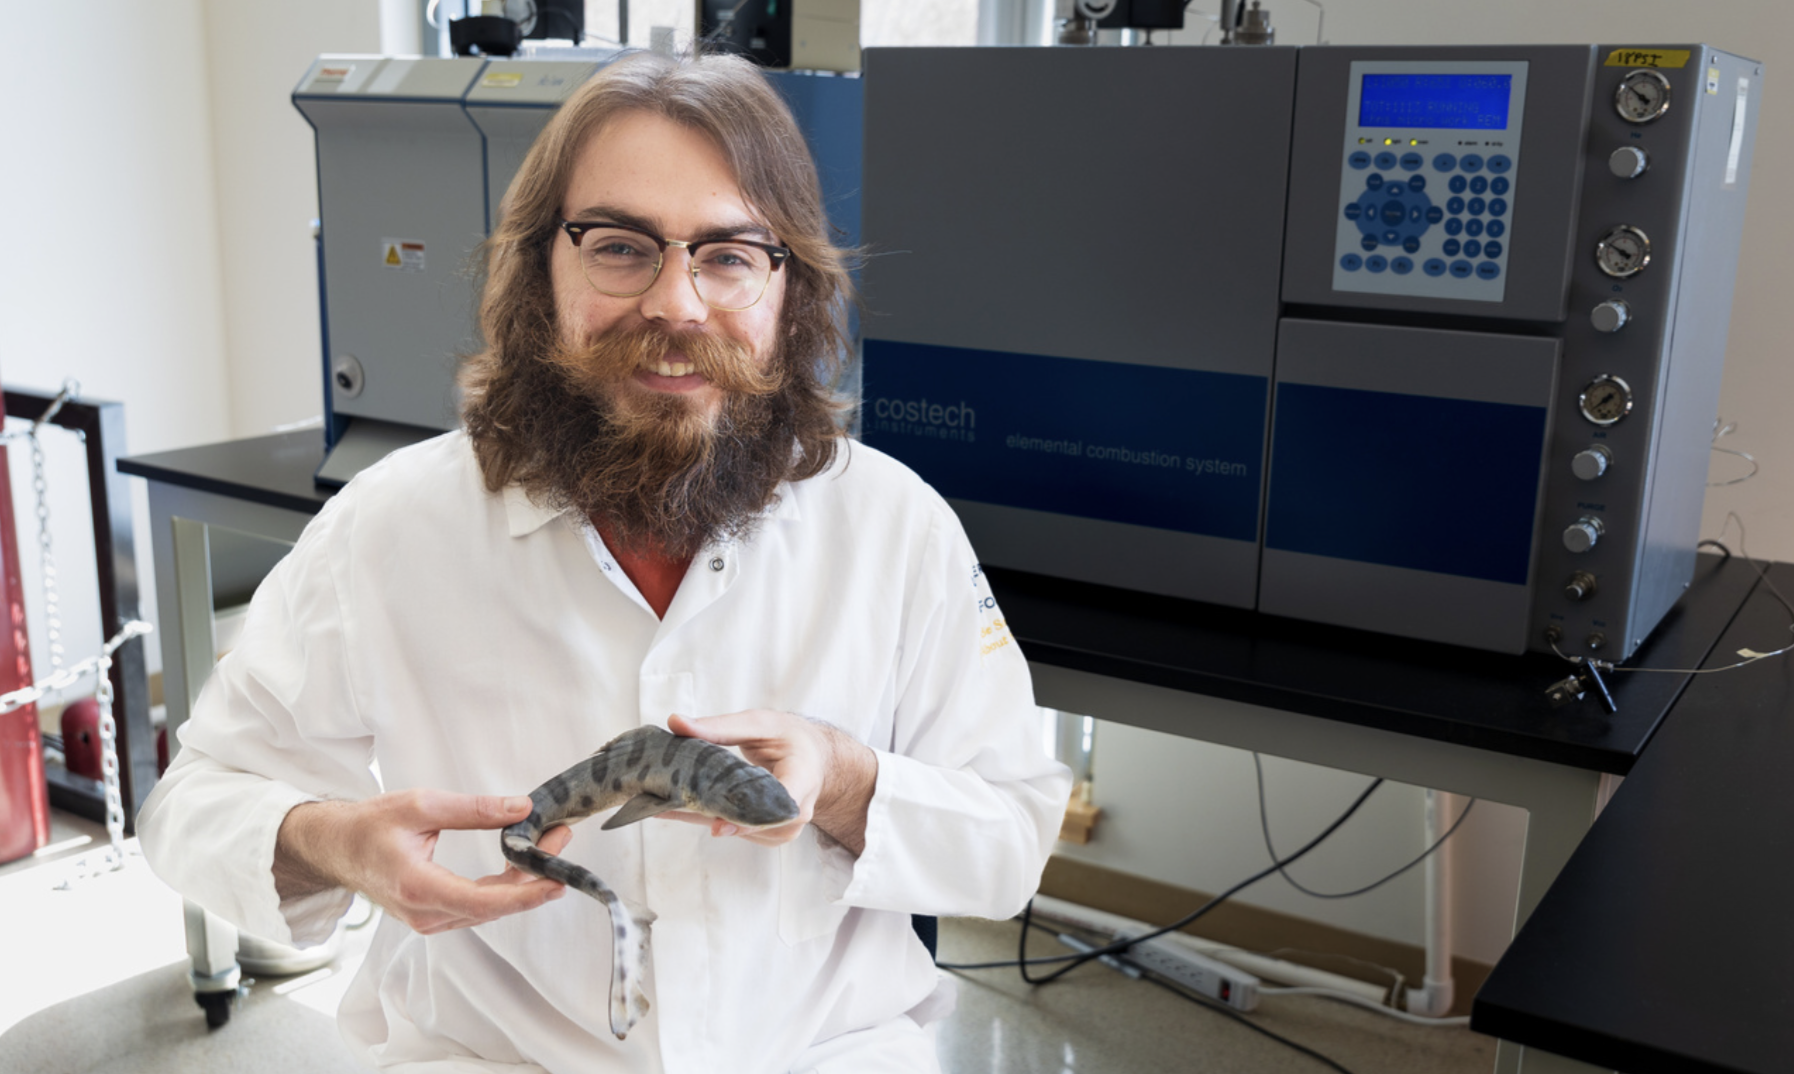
(69, 676)
(52, 602)
(115, 803)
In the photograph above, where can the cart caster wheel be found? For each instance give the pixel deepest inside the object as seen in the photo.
(217, 1006)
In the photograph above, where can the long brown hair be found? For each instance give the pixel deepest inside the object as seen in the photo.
(725, 98)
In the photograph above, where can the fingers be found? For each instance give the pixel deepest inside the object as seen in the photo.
(440, 810)
(735, 728)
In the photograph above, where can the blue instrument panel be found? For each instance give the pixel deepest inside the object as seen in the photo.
(1430, 161)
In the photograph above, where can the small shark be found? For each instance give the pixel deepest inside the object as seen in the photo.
(648, 771)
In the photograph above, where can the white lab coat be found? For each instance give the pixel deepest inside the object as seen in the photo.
(480, 643)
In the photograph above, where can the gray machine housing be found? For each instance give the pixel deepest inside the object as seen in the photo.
(1117, 315)
(414, 156)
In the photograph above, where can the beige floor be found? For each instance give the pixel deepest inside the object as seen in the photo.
(96, 983)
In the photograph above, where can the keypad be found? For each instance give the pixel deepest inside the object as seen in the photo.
(1402, 228)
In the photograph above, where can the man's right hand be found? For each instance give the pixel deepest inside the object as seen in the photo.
(382, 848)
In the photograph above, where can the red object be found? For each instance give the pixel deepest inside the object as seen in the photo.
(161, 750)
(24, 795)
(81, 738)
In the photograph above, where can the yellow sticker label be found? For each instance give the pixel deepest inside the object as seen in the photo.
(513, 79)
(392, 254)
(1648, 57)
(1713, 81)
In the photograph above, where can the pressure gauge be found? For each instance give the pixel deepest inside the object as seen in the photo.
(1606, 400)
(1642, 97)
(1623, 252)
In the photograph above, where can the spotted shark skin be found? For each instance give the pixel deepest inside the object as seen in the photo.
(647, 771)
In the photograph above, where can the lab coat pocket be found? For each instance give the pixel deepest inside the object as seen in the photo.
(812, 877)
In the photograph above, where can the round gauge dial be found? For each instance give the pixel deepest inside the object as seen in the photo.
(1606, 400)
(1642, 97)
(1623, 252)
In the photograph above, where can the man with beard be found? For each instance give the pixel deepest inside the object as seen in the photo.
(650, 518)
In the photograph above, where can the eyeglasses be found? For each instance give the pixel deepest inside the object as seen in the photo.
(729, 275)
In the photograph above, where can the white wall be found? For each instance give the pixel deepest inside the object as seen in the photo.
(268, 195)
(1182, 811)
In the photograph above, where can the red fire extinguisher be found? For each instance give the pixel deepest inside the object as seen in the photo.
(24, 796)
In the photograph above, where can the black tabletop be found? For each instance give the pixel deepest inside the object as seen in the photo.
(1483, 700)
(1666, 944)
(274, 470)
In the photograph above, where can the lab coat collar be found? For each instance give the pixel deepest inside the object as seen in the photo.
(525, 516)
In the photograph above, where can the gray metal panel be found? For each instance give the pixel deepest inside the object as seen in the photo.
(1717, 184)
(1394, 600)
(1078, 203)
(400, 163)
(1650, 497)
(510, 104)
(1188, 565)
(1418, 361)
(1427, 363)
(1545, 202)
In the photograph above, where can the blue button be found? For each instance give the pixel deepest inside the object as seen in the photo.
(1351, 262)
(1375, 263)
(1499, 164)
(1401, 266)
(1451, 247)
(1434, 214)
(1461, 269)
(1479, 185)
(1411, 244)
(1386, 161)
(1392, 236)
(1417, 215)
(1394, 212)
(1497, 229)
(1373, 181)
(1395, 190)
(1473, 226)
(1454, 205)
(1497, 206)
(1444, 162)
(1491, 249)
(1416, 183)
(1498, 186)
(1433, 267)
(1353, 210)
(1488, 270)
(1473, 249)
(1454, 226)
(1470, 162)
(1457, 184)
(1412, 162)
(1477, 206)
(1359, 160)
(1368, 242)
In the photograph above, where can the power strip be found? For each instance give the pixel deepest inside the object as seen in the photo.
(1216, 980)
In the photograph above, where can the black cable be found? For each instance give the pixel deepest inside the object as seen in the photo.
(1022, 961)
(1219, 1008)
(1264, 823)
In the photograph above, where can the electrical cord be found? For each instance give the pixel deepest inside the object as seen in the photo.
(1360, 1001)
(1022, 961)
(1264, 823)
(1205, 1002)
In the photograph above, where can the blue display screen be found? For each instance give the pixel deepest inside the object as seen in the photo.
(1454, 102)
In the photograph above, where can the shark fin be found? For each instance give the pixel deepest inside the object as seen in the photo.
(641, 807)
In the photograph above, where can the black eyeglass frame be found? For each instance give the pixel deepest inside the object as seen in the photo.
(576, 231)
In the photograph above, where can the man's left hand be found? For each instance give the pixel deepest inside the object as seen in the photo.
(828, 772)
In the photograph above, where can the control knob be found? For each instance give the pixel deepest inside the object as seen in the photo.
(1583, 533)
(1629, 162)
(1581, 586)
(1591, 462)
(1611, 315)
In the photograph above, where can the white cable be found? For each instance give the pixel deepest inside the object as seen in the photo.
(1360, 1001)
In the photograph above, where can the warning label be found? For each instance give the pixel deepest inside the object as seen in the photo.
(405, 255)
